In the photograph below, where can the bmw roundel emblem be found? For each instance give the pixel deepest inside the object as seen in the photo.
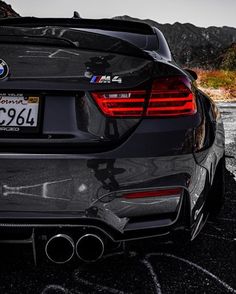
(4, 69)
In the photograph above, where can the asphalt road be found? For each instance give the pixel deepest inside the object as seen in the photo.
(207, 266)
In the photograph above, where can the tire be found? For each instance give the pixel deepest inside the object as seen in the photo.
(216, 195)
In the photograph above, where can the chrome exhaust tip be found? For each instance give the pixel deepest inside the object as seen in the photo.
(90, 248)
(60, 249)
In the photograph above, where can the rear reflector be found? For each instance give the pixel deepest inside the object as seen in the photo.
(170, 96)
(157, 193)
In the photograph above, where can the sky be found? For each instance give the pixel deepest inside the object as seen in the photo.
(202, 13)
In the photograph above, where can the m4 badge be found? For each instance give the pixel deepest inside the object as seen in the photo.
(106, 80)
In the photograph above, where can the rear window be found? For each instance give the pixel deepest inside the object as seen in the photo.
(144, 42)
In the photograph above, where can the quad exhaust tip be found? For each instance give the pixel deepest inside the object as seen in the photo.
(89, 248)
(60, 249)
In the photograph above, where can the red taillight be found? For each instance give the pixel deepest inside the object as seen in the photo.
(170, 96)
(121, 103)
(157, 193)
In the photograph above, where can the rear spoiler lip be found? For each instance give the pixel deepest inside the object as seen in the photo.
(36, 29)
(105, 23)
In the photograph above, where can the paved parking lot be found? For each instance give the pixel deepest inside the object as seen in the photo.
(207, 266)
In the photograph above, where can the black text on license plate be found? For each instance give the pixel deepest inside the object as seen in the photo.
(19, 111)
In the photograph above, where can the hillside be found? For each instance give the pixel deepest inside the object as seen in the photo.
(195, 46)
(227, 60)
(6, 10)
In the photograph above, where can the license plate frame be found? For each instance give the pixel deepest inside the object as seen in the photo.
(21, 130)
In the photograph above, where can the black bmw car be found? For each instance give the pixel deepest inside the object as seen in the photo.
(103, 138)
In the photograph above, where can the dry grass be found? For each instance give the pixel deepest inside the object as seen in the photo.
(220, 85)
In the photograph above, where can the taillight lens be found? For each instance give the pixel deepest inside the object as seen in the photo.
(170, 96)
(121, 103)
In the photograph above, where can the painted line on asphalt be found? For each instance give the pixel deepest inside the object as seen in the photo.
(218, 237)
(227, 219)
(99, 287)
(56, 288)
(153, 274)
(194, 265)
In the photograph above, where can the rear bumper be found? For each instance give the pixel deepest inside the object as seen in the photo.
(161, 227)
(45, 194)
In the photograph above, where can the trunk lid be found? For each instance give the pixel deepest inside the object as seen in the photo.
(60, 67)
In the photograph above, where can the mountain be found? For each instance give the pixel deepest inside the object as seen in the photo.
(227, 60)
(6, 10)
(194, 46)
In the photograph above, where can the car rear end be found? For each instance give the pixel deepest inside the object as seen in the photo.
(96, 141)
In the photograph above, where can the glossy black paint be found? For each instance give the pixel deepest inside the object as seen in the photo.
(76, 169)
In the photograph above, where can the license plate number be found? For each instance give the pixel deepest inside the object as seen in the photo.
(19, 111)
